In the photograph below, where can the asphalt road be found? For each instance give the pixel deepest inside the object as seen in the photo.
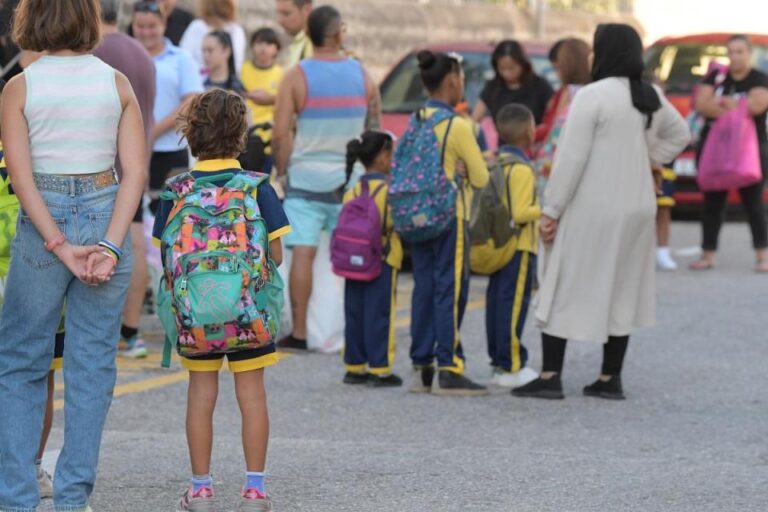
(692, 436)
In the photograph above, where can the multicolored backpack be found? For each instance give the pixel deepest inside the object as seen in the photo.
(423, 199)
(221, 292)
(356, 248)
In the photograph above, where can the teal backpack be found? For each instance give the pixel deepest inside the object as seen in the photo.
(220, 292)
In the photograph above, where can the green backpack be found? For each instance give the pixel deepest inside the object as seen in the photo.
(9, 213)
(220, 292)
(489, 218)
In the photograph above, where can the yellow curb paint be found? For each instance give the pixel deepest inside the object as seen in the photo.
(140, 386)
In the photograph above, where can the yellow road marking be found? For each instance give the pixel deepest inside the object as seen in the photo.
(140, 386)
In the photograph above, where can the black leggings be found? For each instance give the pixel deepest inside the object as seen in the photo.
(713, 214)
(553, 351)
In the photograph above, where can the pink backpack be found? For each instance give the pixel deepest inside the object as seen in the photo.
(356, 248)
(730, 157)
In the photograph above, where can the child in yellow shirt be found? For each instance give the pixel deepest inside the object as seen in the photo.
(369, 306)
(261, 77)
(509, 289)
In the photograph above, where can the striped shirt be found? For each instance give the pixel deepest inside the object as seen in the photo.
(333, 114)
(73, 110)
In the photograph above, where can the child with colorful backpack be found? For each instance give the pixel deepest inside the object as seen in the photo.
(219, 229)
(366, 252)
(505, 242)
(430, 212)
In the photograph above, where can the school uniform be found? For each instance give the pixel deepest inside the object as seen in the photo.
(369, 306)
(509, 290)
(8, 219)
(441, 265)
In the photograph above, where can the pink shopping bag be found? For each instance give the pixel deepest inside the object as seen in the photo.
(731, 156)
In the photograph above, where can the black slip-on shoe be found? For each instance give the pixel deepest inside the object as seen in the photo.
(610, 390)
(551, 389)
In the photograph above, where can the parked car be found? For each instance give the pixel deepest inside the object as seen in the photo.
(402, 92)
(679, 63)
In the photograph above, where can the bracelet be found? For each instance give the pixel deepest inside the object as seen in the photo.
(111, 255)
(111, 247)
(53, 244)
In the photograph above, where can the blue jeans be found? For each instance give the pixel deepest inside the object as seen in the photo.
(38, 283)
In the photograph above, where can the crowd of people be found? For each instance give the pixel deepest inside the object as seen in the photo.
(235, 157)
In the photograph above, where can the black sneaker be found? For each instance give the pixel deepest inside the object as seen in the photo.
(422, 379)
(610, 390)
(450, 383)
(290, 343)
(551, 389)
(356, 378)
(388, 381)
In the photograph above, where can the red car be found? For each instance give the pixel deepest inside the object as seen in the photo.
(402, 91)
(680, 63)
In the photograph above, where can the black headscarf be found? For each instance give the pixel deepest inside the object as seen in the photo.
(619, 52)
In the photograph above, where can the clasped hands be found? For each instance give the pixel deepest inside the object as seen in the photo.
(91, 264)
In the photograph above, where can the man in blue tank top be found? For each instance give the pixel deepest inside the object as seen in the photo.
(332, 99)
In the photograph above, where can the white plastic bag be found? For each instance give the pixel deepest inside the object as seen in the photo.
(325, 315)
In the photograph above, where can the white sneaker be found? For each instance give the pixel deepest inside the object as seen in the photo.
(664, 260)
(514, 379)
(44, 483)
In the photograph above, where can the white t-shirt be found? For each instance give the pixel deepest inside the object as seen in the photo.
(192, 41)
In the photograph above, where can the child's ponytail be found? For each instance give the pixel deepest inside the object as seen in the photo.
(366, 148)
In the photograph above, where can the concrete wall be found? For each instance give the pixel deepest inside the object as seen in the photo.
(380, 31)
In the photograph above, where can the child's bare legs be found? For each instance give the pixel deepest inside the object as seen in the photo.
(201, 402)
(252, 399)
(48, 419)
(663, 256)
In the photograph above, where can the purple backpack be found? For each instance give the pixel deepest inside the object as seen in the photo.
(356, 248)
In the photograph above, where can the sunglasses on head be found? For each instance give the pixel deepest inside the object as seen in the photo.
(147, 6)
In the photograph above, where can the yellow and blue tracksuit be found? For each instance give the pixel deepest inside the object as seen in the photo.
(509, 290)
(8, 214)
(441, 265)
(369, 307)
(667, 196)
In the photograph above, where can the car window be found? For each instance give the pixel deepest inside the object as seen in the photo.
(679, 67)
(403, 92)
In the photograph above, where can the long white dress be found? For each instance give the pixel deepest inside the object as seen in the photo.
(598, 277)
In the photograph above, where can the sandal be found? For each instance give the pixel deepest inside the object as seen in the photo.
(703, 264)
(762, 267)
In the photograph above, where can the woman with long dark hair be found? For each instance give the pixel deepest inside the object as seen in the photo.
(598, 223)
(515, 82)
(220, 62)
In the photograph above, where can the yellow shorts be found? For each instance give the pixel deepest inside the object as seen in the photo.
(238, 362)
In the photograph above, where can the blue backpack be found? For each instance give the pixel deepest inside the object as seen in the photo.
(422, 198)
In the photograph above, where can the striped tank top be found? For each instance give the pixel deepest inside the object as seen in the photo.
(334, 113)
(73, 110)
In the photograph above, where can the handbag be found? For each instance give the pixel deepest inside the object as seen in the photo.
(730, 157)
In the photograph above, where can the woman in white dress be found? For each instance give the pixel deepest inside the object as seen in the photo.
(214, 15)
(598, 277)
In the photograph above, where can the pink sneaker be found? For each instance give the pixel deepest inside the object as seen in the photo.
(253, 500)
(200, 501)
